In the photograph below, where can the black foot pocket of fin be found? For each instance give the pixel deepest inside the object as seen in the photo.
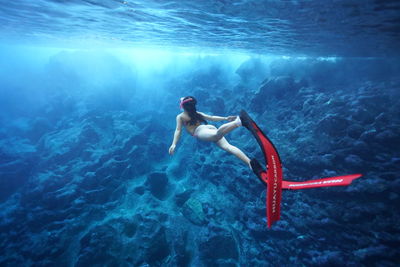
(257, 168)
(245, 118)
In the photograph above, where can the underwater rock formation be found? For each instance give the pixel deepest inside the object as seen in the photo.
(193, 211)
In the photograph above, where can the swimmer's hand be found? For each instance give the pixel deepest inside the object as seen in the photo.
(231, 118)
(172, 149)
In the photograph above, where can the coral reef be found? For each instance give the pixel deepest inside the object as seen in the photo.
(86, 178)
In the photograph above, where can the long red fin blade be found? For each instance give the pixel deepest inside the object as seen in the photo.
(274, 178)
(324, 182)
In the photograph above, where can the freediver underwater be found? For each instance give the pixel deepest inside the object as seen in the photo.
(196, 124)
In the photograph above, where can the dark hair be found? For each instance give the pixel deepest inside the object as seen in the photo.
(190, 108)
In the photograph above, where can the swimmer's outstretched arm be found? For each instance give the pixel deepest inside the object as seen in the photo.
(217, 118)
(177, 134)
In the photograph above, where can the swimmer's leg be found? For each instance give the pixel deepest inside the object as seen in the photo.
(223, 143)
(228, 127)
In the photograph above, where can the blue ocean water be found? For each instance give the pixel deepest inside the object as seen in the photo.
(89, 97)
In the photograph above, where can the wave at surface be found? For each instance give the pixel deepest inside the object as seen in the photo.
(327, 28)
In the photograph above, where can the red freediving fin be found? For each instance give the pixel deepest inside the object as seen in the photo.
(324, 182)
(273, 176)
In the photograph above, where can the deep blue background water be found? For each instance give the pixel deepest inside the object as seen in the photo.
(89, 95)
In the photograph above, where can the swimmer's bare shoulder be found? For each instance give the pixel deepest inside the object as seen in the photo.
(184, 117)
